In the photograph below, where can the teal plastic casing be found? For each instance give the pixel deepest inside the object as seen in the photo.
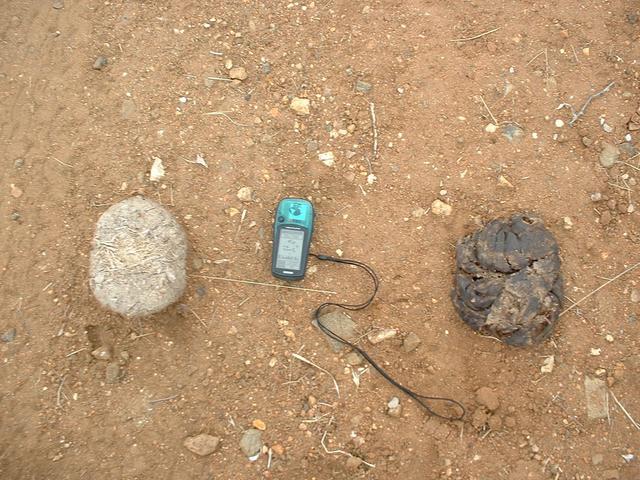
(292, 231)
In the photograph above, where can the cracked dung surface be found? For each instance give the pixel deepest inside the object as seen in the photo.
(508, 282)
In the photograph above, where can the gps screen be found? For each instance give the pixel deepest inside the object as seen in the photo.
(289, 255)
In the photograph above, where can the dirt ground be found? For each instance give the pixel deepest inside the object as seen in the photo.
(75, 140)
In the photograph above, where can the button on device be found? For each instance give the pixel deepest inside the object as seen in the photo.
(281, 218)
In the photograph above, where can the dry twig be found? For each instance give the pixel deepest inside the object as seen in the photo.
(309, 362)
(575, 304)
(224, 114)
(495, 122)
(59, 397)
(341, 452)
(475, 36)
(633, 422)
(372, 112)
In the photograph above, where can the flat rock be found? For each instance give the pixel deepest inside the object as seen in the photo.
(9, 335)
(238, 73)
(129, 109)
(488, 398)
(300, 105)
(382, 335)
(138, 261)
(341, 324)
(411, 342)
(245, 194)
(362, 86)
(508, 282)
(202, 444)
(440, 208)
(354, 358)
(595, 391)
(112, 373)
(609, 155)
(100, 63)
(394, 407)
(251, 442)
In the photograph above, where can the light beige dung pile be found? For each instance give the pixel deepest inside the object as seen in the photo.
(137, 263)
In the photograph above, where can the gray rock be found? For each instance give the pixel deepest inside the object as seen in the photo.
(597, 459)
(18, 163)
(354, 358)
(251, 442)
(595, 391)
(628, 149)
(137, 264)
(57, 4)
(100, 63)
(411, 342)
(339, 323)
(15, 216)
(632, 18)
(609, 155)
(202, 444)
(363, 87)
(129, 109)
(265, 67)
(312, 146)
(9, 335)
(512, 132)
(112, 373)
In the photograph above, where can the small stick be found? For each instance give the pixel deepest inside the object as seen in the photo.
(62, 163)
(249, 282)
(536, 56)
(220, 79)
(197, 316)
(59, 399)
(475, 36)
(629, 165)
(495, 122)
(372, 112)
(575, 304)
(309, 362)
(165, 399)
(341, 452)
(48, 285)
(633, 422)
(575, 54)
(224, 114)
(76, 351)
(242, 217)
(217, 54)
(619, 186)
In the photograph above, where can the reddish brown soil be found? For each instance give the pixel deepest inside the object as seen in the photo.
(81, 147)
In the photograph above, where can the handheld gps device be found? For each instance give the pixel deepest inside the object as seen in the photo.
(292, 231)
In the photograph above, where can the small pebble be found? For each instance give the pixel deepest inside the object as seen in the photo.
(228, 64)
(411, 342)
(567, 223)
(587, 142)
(113, 373)
(353, 358)
(559, 123)
(596, 196)
(259, 424)
(16, 192)
(363, 87)
(440, 208)
(605, 218)
(245, 194)
(597, 459)
(9, 335)
(102, 353)
(202, 444)
(635, 295)
(609, 155)
(238, 73)
(327, 158)
(381, 335)
(100, 63)
(491, 128)
(300, 105)
(609, 338)
(251, 442)
(394, 408)
(57, 4)
(18, 163)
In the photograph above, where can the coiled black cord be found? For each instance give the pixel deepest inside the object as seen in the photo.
(420, 399)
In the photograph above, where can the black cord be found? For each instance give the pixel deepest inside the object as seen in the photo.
(420, 399)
